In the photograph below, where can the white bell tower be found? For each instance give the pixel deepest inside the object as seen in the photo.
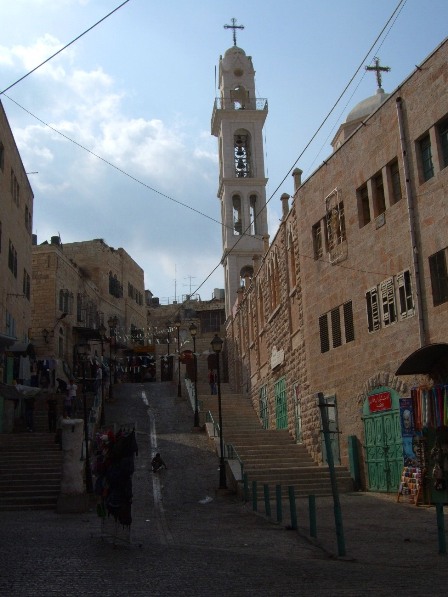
(237, 120)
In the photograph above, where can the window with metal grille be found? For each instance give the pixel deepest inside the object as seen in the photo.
(336, 226)
(336, 327)
(405, 298)
(348, 321)
(211, 321)
(439, 277)
(426, 158)
(324, 334)
(388, 301)
(373, 314)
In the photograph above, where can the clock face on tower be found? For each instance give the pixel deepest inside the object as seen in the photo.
(238, 72)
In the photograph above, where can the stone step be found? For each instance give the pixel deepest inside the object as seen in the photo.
(26, 502)
(271, 456)
(30, 471)
(10, 477)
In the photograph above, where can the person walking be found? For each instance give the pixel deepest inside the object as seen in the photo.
(212, 381)
(70, 399)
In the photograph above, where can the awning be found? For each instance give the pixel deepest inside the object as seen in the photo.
(23, 348)
(425, 360)
(6, 341)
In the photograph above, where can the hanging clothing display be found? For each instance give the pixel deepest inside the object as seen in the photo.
(113, 469)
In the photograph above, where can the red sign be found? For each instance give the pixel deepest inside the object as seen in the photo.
(378, 402)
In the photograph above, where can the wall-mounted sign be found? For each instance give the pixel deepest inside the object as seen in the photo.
(277, 357)
(378, 402)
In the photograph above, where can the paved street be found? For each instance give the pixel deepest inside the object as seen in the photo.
(188, 540)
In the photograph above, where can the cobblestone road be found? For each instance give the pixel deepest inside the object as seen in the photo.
(187, 540)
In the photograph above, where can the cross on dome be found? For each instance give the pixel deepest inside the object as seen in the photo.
(379, 69)
(234, 27)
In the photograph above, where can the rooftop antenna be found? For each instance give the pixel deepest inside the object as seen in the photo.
(189, 278)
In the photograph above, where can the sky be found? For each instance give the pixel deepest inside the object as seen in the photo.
(115, 130)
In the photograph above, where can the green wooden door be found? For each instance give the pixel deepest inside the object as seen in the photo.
(383, 449)
(281, 410)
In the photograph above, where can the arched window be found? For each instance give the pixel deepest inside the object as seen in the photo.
(242, 154)
(246, 275)
(253, 215)
(237, 215)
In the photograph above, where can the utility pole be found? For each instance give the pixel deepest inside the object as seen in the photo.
(323, 406)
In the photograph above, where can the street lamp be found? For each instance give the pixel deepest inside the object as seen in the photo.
(112, 323)
(193, 332)
(217, 347)
(102, 332)
(89, 481)
(177, 323)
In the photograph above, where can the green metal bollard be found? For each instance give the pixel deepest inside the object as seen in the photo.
(278, 496)
(254, 496)
(267, 500)
(292, 507)
(441, 528)
(312, 514)
(245, 487)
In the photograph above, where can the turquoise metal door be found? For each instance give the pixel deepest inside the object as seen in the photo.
(383, 449)
(281, 410)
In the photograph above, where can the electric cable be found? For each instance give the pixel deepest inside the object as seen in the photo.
(62, 49)
(178, 202)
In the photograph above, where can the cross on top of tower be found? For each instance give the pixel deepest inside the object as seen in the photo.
(234, 27)
(378, 70)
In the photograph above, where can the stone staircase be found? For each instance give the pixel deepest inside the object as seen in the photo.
(269, 456)
(30, 471)
(30, 465)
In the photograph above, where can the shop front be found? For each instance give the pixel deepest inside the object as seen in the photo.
(425, 418)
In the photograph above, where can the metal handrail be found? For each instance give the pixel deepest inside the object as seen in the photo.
(232, 454)
(227, 103)
(209, 419)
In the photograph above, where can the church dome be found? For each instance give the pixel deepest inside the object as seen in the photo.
(367, 106)
(234, 50)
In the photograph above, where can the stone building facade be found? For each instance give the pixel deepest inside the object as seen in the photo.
(77, 288)
(16, 217)
(355, 280)
(162, 340)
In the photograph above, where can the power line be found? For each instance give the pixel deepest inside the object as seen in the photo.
(135, 179)
(396, 10)
(64, 48)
